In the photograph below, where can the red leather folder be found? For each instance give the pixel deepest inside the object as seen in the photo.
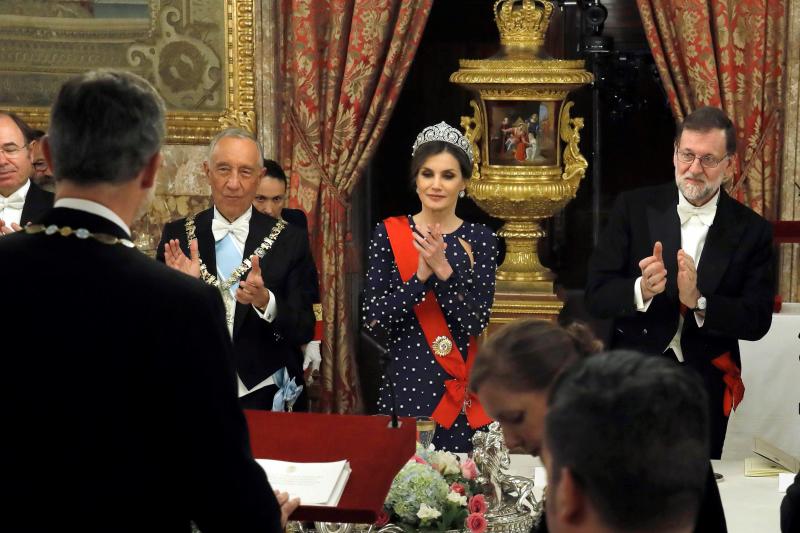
(376, 453)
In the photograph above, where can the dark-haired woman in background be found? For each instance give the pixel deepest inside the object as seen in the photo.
(513, 374)
(430, 287)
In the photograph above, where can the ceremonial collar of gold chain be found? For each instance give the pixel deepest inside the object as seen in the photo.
(80, 233)
(237, 273)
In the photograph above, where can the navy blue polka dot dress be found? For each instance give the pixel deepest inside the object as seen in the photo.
(466, 299)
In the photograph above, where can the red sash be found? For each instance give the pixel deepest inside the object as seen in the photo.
(456, 396)
(733, 394)
(734, 386)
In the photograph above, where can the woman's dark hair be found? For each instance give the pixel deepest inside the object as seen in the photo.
(437, 147)
(528, 354)
(274, 171)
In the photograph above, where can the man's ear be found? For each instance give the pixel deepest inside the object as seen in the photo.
(729, 171)
(151, 170)
(46, 150)
(572, 502)
(31, 146)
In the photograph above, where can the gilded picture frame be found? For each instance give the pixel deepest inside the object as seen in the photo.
(199, 55)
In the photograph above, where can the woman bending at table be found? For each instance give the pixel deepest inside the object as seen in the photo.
(430, 286)
(513, 374)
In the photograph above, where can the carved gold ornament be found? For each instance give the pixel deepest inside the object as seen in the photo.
(198, 56)
(528, 163)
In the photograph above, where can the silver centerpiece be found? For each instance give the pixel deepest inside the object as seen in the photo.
(512, 505)
(513, 508)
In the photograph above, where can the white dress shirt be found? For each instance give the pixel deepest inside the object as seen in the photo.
(11, 215)
(269, 313)
(693, 238)
(88, 206)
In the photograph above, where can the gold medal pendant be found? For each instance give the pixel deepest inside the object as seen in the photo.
(442, 346)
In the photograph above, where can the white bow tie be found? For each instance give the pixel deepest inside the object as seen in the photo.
(704, 213)
(240, 228)
(13, 202)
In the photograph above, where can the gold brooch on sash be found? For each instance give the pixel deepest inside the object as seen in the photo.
(442, 346)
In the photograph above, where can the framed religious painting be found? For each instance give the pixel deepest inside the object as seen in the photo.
(522, 132)
(198, 54)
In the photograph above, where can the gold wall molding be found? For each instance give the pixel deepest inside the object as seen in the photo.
(198, 55)
(789, 274)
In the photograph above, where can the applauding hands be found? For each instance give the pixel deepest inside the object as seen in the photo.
(252, 289)
(431, 247)
(175, 258)
(654, 276)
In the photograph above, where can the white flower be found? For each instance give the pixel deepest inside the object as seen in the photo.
(427, 512)
(457, 498)
(445, 462)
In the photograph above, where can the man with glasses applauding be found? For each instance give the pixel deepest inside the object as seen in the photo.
(685, 271)
(21, 200)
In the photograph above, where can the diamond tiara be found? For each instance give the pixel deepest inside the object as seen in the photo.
(443, 132)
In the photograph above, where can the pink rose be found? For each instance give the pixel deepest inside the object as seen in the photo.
(459, 488)
(477, 504)
(383, 518)
(469, 469)
(419, 459)
(476, 523)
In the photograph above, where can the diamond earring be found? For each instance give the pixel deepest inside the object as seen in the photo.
(462, 193)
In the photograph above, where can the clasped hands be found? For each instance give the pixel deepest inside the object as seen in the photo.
(654, 276)
(250, 291)
(431, 247)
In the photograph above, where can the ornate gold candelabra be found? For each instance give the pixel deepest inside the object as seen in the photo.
(521, 174)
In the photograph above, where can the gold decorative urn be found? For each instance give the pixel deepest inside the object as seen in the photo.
(521, 173)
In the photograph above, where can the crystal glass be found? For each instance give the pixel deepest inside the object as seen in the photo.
(426, 427)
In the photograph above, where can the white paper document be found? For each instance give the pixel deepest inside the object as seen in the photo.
(313, 483)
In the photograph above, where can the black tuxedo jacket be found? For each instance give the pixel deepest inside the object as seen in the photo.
(259, 347)
(120, 410)
(37, 202)
(735, 275)
(297, 218)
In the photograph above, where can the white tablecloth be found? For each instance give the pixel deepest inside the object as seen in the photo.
(771, 375)
(752, 504)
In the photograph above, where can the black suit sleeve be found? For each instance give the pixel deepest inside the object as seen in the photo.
(790, 508)
(609, 286)
(172, 230)
(230, 490)
(711, 515)
(295, 316)
(747, 313)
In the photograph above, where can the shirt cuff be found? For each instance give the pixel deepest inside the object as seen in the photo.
(699, 319)
(271, 311)
(638, 299)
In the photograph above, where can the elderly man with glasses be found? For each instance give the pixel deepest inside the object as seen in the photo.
(21, 200)
(685, 271)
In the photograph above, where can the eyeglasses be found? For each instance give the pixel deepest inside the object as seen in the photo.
(707, 161)
(12, 149)
(40, 165)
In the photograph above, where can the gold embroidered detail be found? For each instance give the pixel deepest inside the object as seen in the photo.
(317, 312)
(80, 233)
(225, 286)
(442, 346)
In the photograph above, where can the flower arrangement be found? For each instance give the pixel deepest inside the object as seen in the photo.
(435, 491)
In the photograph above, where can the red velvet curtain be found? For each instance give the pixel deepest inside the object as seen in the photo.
(343, 65)
(728, 54)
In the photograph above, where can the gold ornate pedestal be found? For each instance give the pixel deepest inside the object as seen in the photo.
(521, 173)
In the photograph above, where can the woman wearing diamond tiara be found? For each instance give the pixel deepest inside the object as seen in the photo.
(430, 286)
